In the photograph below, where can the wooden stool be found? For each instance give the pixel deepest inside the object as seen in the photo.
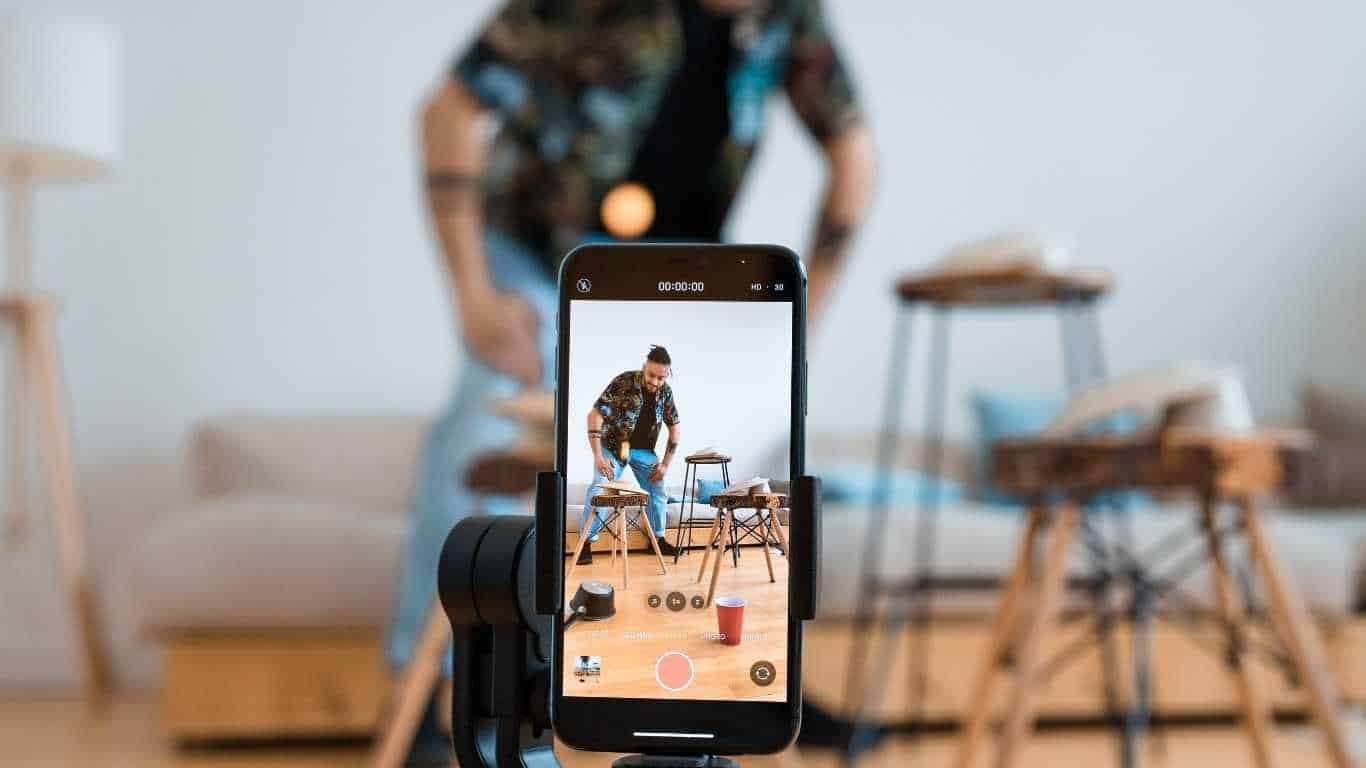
(1073, 295)
(691, 465)
(620, 504)
(1218, 468)
(724, 524)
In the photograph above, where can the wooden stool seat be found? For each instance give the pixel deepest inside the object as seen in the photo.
(706, 460)
(509, 472)
(765, 506)
(620, 505)
(1005, 286)
(1218, 468)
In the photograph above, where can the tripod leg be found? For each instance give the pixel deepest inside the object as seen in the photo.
(40, 357)
(414, 686)
(1256, 713)
(1300, 636)
(978, 711)
(1019, 716)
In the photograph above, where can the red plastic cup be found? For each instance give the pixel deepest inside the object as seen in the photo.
(730, 619)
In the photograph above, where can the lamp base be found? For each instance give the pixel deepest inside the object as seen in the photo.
(36, 388)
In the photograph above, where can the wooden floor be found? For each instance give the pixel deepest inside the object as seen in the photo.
(630, 642)
(60, 732)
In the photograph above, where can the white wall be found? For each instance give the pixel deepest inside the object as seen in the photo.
(262, 244)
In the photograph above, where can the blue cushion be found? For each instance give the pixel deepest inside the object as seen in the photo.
(705, 488)
(853, 482)
(999, 415)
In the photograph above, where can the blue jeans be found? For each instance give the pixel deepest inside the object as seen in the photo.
(642, 462)
(464, 431)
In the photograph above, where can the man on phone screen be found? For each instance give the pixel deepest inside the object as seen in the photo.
(623, 429)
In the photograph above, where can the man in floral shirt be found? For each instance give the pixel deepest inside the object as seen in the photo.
(557, 103)
(623, 430)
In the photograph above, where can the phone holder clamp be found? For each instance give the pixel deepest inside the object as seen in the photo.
(500, 583)
(500, 645)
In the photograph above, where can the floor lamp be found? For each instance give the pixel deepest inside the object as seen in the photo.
(58, 83)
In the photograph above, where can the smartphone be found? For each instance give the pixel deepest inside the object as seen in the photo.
(666, 353)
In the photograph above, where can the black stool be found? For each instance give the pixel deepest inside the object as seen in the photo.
(691, 466)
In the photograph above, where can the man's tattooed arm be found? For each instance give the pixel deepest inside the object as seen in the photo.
(848, 189)
(832, 238)
(449, 191)
(672, 444)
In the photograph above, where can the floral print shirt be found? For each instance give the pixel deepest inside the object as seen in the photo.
(620, 405)
(577, 84)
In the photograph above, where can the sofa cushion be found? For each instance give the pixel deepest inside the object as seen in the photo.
(1001, 415)
(855, 482)
(269, 561)
(1334, 412)
(1332, 473)
(1347, 524)
(366, 459)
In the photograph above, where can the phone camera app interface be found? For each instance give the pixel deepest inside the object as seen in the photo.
(679, 429)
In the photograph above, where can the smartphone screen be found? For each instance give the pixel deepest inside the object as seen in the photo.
(679, 408)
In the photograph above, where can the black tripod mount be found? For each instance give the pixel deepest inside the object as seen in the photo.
(500, 582)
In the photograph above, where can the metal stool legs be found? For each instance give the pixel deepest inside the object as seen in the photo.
(912, 599)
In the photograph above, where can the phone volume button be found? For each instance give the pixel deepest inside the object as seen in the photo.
(806, 400)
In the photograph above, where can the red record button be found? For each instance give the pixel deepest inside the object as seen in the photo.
(674, 671)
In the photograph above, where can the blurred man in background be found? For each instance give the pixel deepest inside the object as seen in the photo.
(592, 96)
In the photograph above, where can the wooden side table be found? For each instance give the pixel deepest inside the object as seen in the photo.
(1060, 474)
(621, 504)
(765, 506)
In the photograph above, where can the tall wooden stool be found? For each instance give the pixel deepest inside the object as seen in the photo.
(724, 525)
(691, 465)
(1073, 294)
(1059, 474)
(621, 504)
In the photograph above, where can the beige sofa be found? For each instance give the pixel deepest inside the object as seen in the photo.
(269, 590)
